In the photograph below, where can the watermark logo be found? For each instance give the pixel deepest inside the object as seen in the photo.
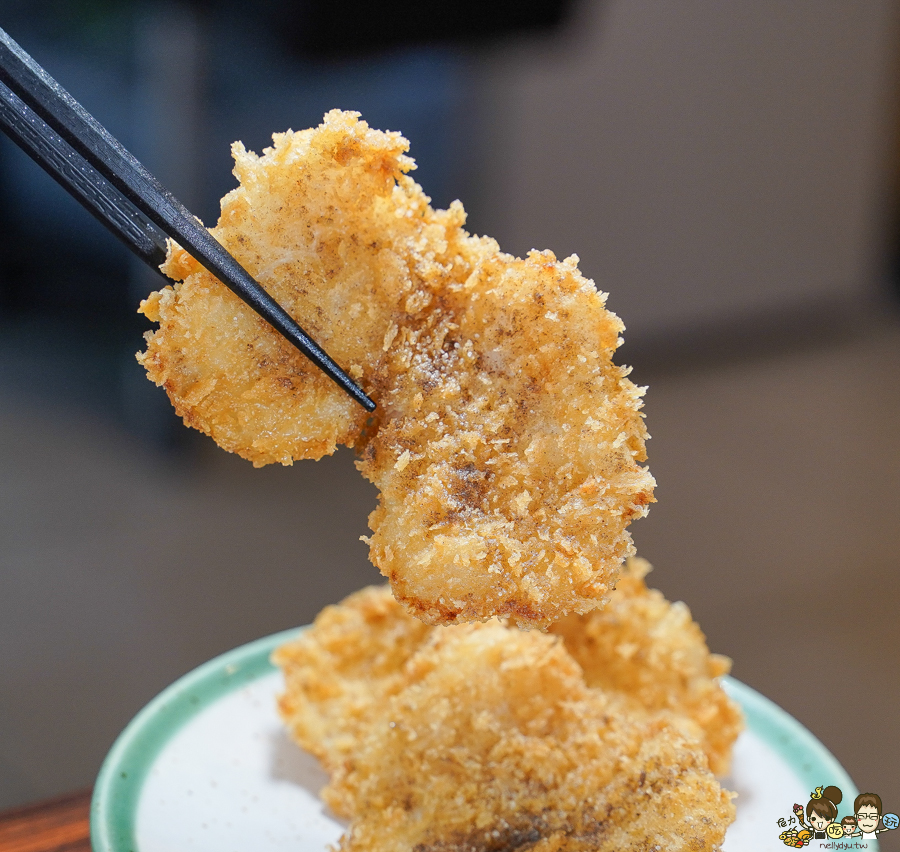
(820, 820)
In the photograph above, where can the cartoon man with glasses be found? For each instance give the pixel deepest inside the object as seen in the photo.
(867, 807)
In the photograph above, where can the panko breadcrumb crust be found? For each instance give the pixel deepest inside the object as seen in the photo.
(506, 444)
(640, 646)
(341, 670)
(650, 649)
(496, 743)
(483, 737)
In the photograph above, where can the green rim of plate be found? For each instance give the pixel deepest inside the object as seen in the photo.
(810, 760)
(118, 788)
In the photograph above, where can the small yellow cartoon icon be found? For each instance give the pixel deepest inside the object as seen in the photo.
(817, 793)
(835, 830)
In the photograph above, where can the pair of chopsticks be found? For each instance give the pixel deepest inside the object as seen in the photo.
(79, 153)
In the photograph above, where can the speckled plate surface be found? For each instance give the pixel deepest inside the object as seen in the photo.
(207, 767)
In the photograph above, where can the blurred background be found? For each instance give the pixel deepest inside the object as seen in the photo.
(727, 171)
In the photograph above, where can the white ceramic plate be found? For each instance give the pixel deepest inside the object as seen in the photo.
(207, 767)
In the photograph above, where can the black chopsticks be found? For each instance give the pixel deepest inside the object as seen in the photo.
(63, 138)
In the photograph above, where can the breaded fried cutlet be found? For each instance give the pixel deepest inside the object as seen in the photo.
(507, 457)
(641, 647)
(506, 444)
(496, 743)
(651, 650)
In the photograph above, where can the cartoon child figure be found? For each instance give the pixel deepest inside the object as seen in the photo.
(821, 810)
(867, 807)
(848, 824)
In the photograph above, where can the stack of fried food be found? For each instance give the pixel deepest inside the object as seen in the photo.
(506, 447)
(602, 735)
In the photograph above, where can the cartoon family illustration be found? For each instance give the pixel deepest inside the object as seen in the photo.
(821, 822)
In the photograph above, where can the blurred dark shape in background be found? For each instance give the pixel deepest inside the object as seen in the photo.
(319, 28)
(727, 171)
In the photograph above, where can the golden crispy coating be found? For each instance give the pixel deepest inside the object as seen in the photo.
(496, 743)
(506, 444)
(639, 646)
(650, 650)
(507, 462)
(338, 674)
(330, 225)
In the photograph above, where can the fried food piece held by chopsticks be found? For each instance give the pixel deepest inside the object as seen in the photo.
(330, 225)
(650, 650)
(507, 445)
(496, 743)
